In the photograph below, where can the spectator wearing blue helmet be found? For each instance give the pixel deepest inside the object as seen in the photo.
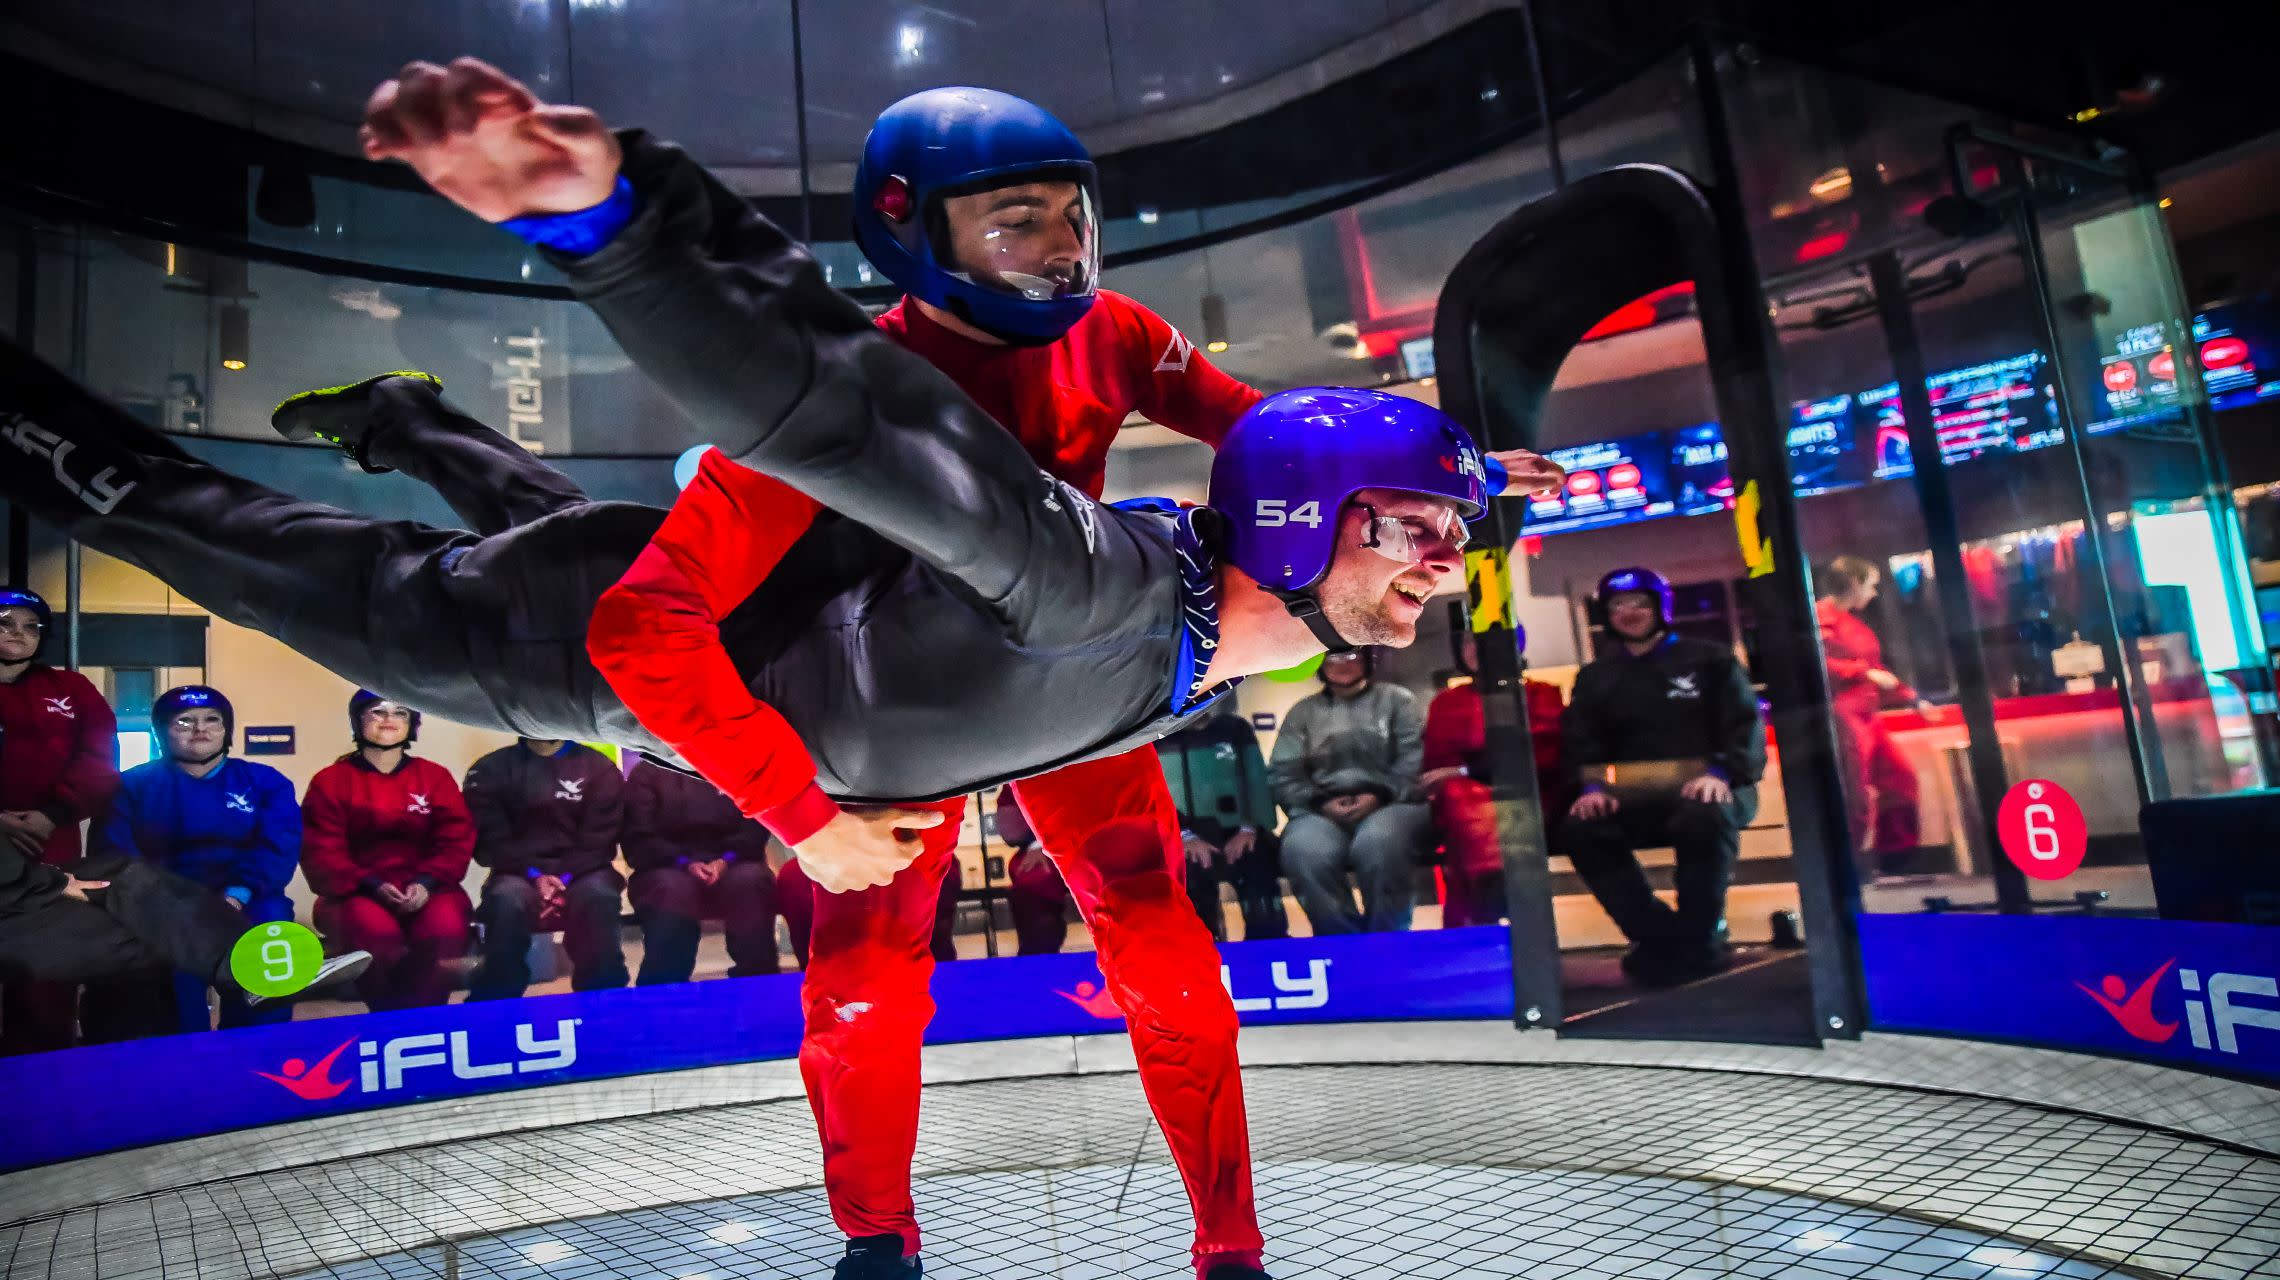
(230, 825)
(1662, 737)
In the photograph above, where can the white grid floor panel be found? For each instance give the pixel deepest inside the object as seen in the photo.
(1577, 1172)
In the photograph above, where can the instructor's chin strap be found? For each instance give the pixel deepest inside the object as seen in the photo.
(1308, 610)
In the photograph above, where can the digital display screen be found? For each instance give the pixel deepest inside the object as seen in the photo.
(1997, 407)
(1824, 447)
(1613, 482)
(1840, 442)
(2239, 345)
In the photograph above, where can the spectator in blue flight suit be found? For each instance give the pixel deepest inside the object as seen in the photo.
(231, 825)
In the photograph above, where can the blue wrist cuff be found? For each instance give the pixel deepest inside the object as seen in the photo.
(580, 233)
(1498, 477)
(1718, 773)
(241, 896)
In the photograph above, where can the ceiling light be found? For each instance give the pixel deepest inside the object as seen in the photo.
(546, 1251)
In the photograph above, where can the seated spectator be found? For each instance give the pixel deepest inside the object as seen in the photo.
(1227, 820)
(1036, 896)
(1685, 710)
(59, 766)
(547, 818)
(695, 858)
(1458, 783)
(1345, 769)
(227, 824)
(385, 841)
(795, 898)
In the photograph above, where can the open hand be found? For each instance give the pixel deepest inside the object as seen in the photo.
(1239, 844)
(1707, 788)
(1434, 779)
(1592, 805)
(487, 144)
(1530, 473)
(864, 848)
(74, 887)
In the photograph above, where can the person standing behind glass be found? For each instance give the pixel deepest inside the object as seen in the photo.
(230, 825)
(1345, 769)
(1881, 791)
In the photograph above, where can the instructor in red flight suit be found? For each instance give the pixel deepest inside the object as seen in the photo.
(386, 840)
(59, 766)
(982, 207)
(1881, 791)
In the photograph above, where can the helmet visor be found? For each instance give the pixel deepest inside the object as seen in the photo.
(1035, 237)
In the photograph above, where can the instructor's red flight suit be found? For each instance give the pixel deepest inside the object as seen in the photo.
(1109, 824)
(1878, 769)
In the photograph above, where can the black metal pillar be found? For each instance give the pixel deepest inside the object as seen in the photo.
(1778, 590)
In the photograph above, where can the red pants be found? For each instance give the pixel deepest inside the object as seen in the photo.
(1111, 827)
(1881, 789)
(407, 951)
(1472, 874)
(796, 895)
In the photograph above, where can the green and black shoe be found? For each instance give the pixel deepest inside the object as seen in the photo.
(341, 416)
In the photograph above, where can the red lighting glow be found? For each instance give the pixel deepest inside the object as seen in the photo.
(1583, 483)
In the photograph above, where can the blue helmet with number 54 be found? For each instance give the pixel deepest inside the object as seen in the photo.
(1289, 466)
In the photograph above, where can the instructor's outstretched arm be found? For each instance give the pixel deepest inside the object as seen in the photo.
(735, 321)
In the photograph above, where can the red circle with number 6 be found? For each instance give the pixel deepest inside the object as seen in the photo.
(2042, 829)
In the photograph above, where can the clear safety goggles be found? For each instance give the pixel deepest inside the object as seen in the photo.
(1035, 239)
(192, 721)
(389, 711)
(1406, 538)
(22, 626)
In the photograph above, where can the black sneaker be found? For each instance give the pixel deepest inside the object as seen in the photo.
(876, 1258)
(336, 971)
(1235, 1271)
(340, 416)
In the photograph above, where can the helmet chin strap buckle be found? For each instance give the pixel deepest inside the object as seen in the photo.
(1308, 610)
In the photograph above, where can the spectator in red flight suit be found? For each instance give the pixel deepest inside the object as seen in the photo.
(695, 858)
(385, 843)
(59, 766)
(1457, 784)
(1035, 895)
(1881, 791)
(547, 819)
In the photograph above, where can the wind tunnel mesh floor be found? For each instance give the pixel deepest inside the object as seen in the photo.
(1567, 1171)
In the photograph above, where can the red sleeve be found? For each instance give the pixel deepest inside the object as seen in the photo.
(1837, 649)
(451, 831)
(91, 777)
(1178, 386)
(655, 636)
(325, 859)
(1450, 735)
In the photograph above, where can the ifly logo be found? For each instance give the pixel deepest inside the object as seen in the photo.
(61, 707)
(101, 491)
(2213, 1018)
(384, 1065)
(1308, 991)
(569, 789)
(240, 803)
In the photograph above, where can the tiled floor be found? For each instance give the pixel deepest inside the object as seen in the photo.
(1578, 1172)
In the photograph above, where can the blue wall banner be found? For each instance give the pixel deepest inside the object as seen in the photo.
(176, 1087)
(2190, 994)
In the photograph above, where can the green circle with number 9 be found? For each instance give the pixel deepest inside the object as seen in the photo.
(276, 959)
